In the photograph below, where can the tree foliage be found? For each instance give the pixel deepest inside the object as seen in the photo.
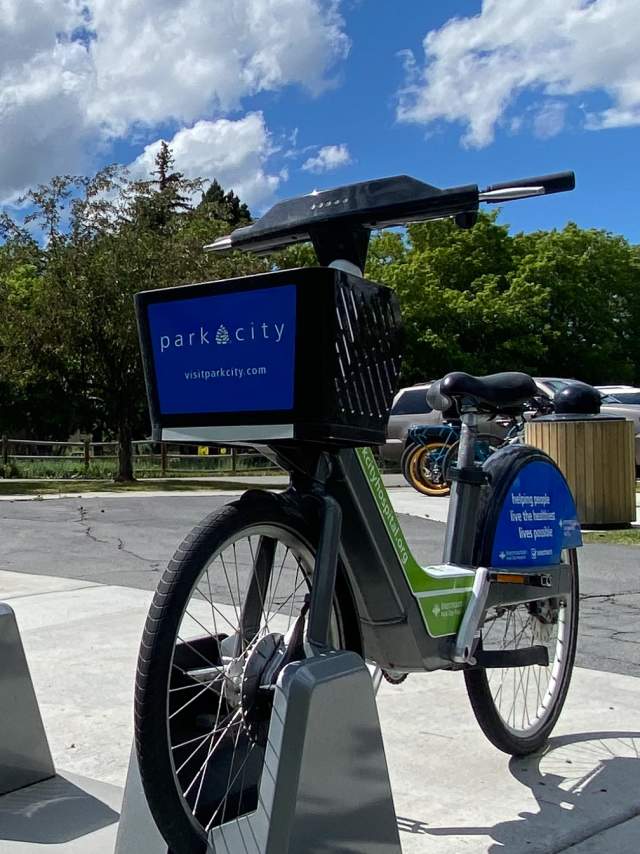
(560, 303)
(67, 301)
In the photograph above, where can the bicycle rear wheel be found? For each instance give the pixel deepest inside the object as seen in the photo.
(234, 587)
(518, 707)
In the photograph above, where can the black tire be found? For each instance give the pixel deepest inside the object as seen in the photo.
(486, 700)
(405, 459)
(425, 477)
(160, 682)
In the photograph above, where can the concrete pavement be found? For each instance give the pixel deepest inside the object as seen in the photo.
(453, 791)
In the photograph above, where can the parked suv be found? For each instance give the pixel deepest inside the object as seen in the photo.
(410, 407)
(623, 400)
(620, 400)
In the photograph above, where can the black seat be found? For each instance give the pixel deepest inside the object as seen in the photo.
(493, 393)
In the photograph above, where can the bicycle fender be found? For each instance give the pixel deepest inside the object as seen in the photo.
(528, 514)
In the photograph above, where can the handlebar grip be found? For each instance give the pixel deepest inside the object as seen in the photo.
(558, 182)
(436, 400)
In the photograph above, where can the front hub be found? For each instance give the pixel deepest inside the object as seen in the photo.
(259, 676)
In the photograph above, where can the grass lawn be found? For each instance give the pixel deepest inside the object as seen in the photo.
(621, 537)
(74, 487)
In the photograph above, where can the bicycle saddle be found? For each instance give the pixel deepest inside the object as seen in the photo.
(494, 392)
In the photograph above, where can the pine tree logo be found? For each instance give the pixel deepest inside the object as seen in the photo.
(222, 335)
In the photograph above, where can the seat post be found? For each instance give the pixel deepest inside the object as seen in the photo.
(467, 443)
(465, 497)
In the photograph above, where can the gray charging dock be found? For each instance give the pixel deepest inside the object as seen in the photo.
(325, 784)
(25, 758)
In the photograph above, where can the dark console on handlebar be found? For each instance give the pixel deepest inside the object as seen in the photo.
(338, 221)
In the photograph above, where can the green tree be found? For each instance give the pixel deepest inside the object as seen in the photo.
(33, 400)
(460, 307)
(590, 316)
(226, 207)
(119, 237)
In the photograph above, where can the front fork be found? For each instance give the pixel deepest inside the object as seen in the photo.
(325, 568)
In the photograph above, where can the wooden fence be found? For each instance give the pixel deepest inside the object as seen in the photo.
(29, 457)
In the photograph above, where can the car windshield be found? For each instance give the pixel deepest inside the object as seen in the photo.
(627, 398)
(411, 402)
(556, 385)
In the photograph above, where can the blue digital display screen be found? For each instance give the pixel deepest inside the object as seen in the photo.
(231, 352)
(537, 521)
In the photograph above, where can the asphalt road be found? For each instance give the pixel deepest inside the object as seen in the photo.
(127, 541)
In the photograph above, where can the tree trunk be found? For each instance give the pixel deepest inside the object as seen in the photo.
(125, 454)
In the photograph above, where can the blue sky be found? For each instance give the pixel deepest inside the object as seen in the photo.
(278, 97)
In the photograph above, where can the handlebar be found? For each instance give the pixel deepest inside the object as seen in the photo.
(543, 185)
(376, 204)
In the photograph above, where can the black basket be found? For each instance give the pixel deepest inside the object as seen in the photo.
(311, 354)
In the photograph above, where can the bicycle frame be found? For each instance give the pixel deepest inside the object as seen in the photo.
(407, 614)
(410, 616)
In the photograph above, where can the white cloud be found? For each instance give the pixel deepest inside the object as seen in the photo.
(234, 152)
(75, 74)
(179, 58)
(328, 157)
(42, 93)
(549, 119)
(476, 67)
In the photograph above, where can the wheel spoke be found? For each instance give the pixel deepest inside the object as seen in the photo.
(524, 696)
(233, 601)
(206, 688)
(246, 759)
(229, 781)
(215, 729)
(217, 610)
(210, 600)
(235, 720)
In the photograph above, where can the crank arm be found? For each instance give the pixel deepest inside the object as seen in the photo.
(511, 657)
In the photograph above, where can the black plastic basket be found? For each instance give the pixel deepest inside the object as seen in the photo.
(311, 355)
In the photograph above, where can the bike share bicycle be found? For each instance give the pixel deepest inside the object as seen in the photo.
(252, 658)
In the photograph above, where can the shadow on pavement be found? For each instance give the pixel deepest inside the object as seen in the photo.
(54, 811)
(582, 783)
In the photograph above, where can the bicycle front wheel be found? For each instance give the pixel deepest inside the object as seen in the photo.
(405, 459)
(233, 589)
(426, 468)
(518, 707)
